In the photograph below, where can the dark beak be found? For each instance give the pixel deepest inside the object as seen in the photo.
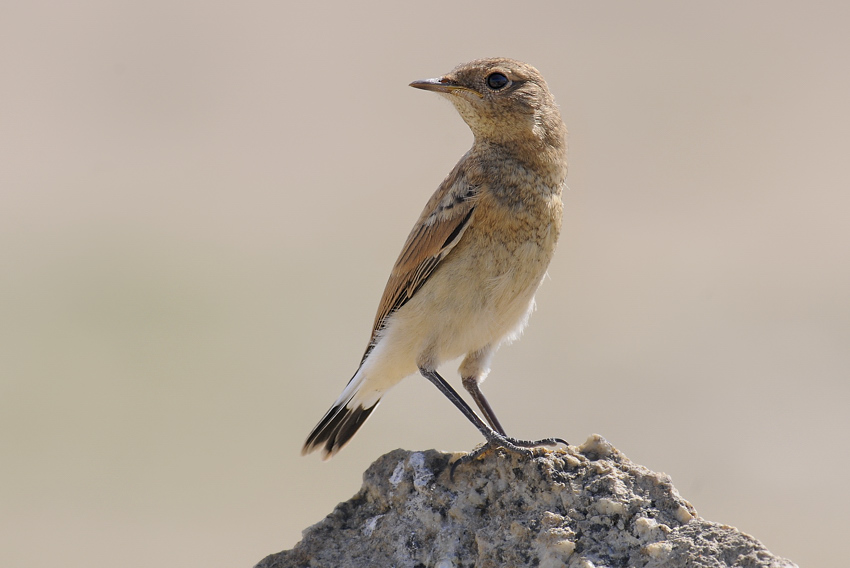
(442, 85)
(439, 84)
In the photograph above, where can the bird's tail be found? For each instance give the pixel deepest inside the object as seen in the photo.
(344, 418)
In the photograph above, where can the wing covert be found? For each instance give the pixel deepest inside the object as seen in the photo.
(439, 228)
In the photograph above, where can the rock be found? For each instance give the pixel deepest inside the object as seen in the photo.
(581, 507)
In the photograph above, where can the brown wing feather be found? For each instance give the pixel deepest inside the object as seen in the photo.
(438, 230)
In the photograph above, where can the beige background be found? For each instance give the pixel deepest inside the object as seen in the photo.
(200, 203)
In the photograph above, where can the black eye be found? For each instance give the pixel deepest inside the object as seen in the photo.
(496, 81)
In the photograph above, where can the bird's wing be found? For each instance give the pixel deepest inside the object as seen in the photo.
(439, 228)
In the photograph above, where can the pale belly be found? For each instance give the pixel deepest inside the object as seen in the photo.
(470, 302)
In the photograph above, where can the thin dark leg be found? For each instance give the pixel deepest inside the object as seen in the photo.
(452, 395)
(471, 385)
(494, 438)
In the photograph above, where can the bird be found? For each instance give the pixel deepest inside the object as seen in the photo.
(465, 280)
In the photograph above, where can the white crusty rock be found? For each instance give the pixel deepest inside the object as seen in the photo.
(582, 507)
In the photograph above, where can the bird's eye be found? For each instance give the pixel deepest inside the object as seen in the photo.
(496, 81)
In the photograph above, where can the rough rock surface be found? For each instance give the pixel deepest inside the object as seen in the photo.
(582, 507)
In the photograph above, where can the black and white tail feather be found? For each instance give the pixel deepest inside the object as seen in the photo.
(341, 422)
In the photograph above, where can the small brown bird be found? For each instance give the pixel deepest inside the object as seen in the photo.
(465, 280)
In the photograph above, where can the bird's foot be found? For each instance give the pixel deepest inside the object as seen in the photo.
(537, 443)
(513, 445)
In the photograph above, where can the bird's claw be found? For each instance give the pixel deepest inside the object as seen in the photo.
(513, 445)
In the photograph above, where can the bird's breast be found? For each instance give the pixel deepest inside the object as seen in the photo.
(482, 292)
(508, 246)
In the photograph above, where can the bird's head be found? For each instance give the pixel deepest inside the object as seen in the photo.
(502, 101)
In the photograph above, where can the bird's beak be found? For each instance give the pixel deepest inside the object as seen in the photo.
(441, 85)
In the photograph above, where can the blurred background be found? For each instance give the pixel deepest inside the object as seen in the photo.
(200, 204)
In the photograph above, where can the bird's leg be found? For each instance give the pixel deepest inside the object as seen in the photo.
(494, 438)
(478, 396)
(471, 386)
(445, 388)
(474, 369)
